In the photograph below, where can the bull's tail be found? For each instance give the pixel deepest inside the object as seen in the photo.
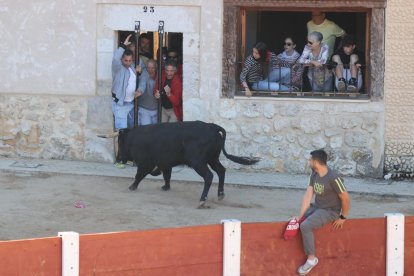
(238, 159)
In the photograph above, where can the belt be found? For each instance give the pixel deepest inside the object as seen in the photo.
(115, 98)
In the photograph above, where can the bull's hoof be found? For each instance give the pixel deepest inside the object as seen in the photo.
(132, 187)
(165, 187)
(203, 205)
(221, 196)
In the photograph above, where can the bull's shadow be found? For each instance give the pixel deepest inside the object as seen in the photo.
(158, 148)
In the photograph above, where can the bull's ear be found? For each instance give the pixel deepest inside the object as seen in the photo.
(112, 135)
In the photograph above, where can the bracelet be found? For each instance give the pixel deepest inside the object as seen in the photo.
(342, 217)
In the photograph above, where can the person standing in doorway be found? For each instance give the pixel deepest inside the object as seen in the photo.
(331, 204)
(170, 94)
(148, 104)
(145, 47)
(124, 80)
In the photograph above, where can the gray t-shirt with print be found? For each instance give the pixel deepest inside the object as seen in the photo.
(326, 190)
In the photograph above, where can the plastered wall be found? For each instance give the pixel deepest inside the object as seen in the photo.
(399, 93)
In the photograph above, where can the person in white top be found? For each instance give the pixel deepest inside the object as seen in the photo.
(329, 30)
(282, 74)
(315, 56)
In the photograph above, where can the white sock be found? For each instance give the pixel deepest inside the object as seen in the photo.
(312, 262)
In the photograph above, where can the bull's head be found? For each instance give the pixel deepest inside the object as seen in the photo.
(123, 153)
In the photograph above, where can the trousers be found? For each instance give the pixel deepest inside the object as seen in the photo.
(318, 217)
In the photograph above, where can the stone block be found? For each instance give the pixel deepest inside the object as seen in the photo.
(348, 122)
(311, 124)
(98, 149)
(304, 141)
(336, 142)
(281, 123)
(269, 111)
(228, 109)
(318, 142)
(329, 132)
(99, 113)
(251, 110)
(290, 110)
(356, 139)
(345, 167)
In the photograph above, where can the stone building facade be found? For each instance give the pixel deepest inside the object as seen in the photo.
(55, 88)
(399, 96)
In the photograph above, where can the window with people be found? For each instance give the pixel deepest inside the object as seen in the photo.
(328, 59)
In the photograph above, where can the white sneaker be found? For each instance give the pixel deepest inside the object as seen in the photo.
(341, 85)
(307, 267)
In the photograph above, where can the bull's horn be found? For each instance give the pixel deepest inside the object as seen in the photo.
(112, 135)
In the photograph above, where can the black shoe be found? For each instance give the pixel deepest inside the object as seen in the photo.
(352, 85)
(341, 85)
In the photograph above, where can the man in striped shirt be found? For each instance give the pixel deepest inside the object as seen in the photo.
(331, 205)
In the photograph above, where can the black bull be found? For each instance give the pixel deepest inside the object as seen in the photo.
(157, 148)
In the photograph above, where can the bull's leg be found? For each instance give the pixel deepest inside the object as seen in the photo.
(221, 172)
(167, 177)
(141, 173)
(205, 173)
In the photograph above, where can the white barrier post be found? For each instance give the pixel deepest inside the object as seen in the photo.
(70, 253)
(231, 247)
(395, 244)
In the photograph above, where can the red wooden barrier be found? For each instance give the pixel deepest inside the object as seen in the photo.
(31, 257)
(409, 246)
(357, 249)
(180, 251)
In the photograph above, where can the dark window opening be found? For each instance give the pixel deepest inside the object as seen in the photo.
(272, 27)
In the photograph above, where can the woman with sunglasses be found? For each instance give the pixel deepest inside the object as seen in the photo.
(282, 73)
(316, 55)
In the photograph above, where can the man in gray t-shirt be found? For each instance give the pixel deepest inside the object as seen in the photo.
(326, 189)
(331, 205)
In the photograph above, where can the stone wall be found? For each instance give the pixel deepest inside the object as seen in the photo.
(399, 93)
(283, 132)
(51, 127)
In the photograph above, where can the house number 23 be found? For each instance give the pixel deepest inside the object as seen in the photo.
(148, 9)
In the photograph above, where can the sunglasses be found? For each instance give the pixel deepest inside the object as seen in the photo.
(288, 44)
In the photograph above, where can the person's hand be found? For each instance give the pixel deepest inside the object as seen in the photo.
(337, 224)
(167, 90)
(358, 65)
(127, 42)
(138, 93)
(157, 94)
(316, 64)
(138, 68)
(247, 92)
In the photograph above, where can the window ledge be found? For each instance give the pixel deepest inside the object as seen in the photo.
(279, 99)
